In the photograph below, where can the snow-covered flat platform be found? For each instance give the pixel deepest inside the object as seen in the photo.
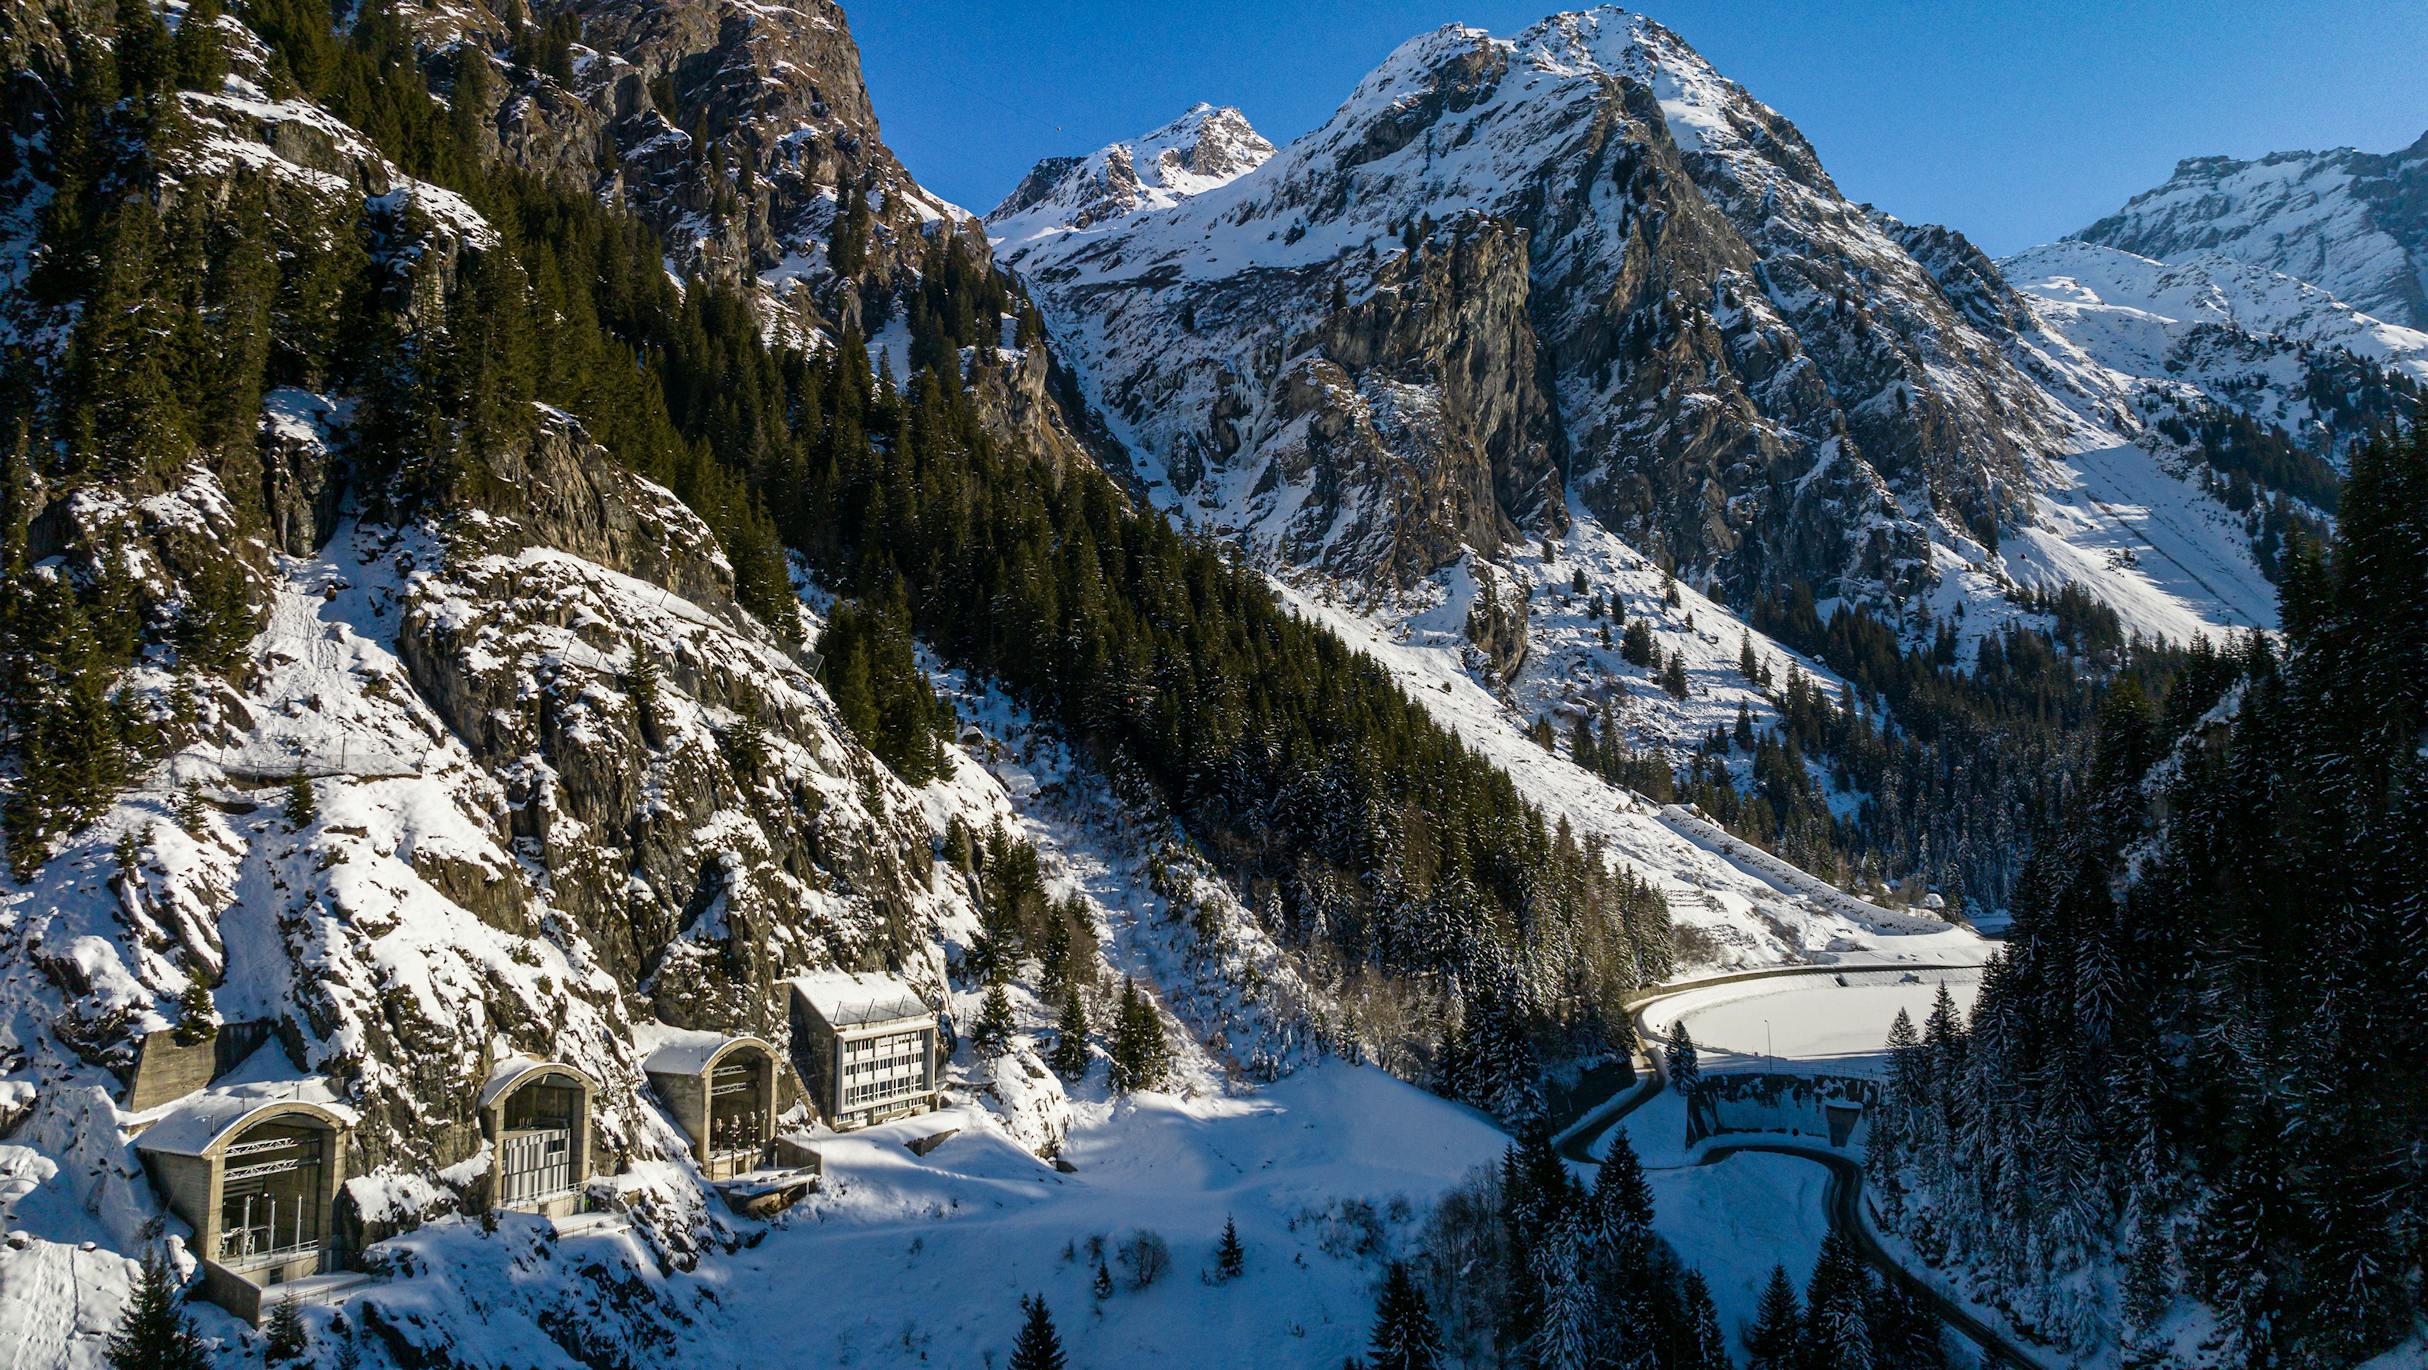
(1809, 1021)
(903, 1259)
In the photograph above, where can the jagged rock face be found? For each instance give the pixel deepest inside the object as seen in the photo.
(2352, 223)
(1414, 421)
(1743, 369)
(515, 844)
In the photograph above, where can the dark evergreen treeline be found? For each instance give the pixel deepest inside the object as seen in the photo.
(182, 310)
(1959, 762)
(1525, 1266)
(1367, 832)
(2203, 1055)
(1960, 769)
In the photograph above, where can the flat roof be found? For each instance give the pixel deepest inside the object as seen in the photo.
(853, 999)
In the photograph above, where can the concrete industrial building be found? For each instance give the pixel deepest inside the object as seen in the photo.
(536, 1117)
(721, 1090)
(255, 1171)
(866, 1048)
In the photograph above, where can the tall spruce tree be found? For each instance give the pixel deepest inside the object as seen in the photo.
(1039, 1346)
(1775, 1340)
(1404, 1336)
(153, 1332)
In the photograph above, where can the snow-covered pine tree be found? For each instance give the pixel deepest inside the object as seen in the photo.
(1039, 1346)
(1565, 1334)
(1404, 1337)
(1701, 1344)
(1230, 1258)
(1685, 1067)
(1837, 1309)
(197, 1014)
(153, 1332)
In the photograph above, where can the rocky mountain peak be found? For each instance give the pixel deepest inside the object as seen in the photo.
(1206, 147)
(1658, 223)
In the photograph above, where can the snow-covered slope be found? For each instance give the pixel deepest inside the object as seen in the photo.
(2218, 330)
(2352, 223)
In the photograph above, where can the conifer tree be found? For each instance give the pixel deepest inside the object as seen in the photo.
(1564, 1333)
(154, 1332)
(1776, 1338)
(197, 1015)
(1070, 1056)
(1405, 1337)
(1103, 1283)
(1039, 1346)
(1685, 1067)
(1230, 1258)
(1701, 1345)
(302, 805)
(284, 1336)
(992, 1034)
(1141, 1057)
(1837, 1309)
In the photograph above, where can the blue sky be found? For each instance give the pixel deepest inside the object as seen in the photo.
(2014, 122)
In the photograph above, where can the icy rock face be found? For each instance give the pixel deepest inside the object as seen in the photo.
(2354, 224)
(1709, 345)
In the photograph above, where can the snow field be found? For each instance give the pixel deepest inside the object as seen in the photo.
(906, 1259)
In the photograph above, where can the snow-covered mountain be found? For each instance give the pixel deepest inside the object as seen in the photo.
(1577, 273)
(2352, 223)
(1202, 149)
(2215, 331)
(1479, 285)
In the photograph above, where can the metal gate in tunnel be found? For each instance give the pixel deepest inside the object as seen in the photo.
(535, 1165)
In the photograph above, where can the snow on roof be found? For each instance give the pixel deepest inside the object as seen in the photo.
(512, 1071)
(686, 1051)
(847, 999)
(198, 1122)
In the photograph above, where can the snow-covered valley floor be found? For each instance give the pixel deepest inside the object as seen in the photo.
(923, 1260)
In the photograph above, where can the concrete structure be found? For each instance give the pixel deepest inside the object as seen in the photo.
(721, 1090)
(536, 1115)
(166, 1069)
(255, 1171)
(866, 1047)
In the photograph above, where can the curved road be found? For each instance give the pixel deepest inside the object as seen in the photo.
(1843, 1196)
